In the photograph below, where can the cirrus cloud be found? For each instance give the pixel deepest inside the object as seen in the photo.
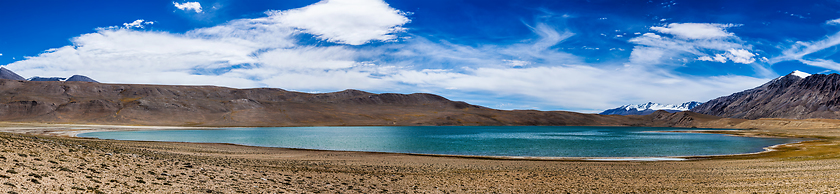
(735, 55)
(800, 50)
(265, 52)
(696, 30)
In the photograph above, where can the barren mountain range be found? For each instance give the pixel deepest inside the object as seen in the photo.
(96, 103)
(82, 102)
(8, 74)
(793, 96)
(650, 107)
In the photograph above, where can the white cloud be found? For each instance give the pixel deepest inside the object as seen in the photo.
(195, 6)
(259, 51)
(833, 22)
(135, 24)
(740, 56)
(548, 36)
(129, 56)
(263, 52)
(302, 58)
(574, 84)
(353, 22)
(1, 54)
(688, 46)
(646, 55)
(700, 42)
(419, 51)
(717, 58)
(828, 64)
(511, 63)
(652, 35)
(720, 58)
(800, 50)
(582, 87)
(696, 30)
(705, 58)
(735, 55)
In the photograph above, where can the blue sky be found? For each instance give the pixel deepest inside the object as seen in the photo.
(548, 55)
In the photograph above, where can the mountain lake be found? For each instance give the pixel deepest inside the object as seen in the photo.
(510, 141)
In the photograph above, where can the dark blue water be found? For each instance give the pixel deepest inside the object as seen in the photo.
(534, 141)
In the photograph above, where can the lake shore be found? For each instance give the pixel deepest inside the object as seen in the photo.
(45, 159)
(366, 139)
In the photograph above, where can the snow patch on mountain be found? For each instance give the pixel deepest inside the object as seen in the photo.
(800, 74)
(650, 107)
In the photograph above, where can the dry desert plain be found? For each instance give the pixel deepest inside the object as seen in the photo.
(45, 158)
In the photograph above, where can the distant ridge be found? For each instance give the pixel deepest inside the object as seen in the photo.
(9, 74)
(139, 104)
(170, 105)
(797, 95)
(80, 78)
(46, 79)
(650, 107)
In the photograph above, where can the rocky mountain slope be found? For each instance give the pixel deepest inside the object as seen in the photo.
(794, 96)
(74, 78)
(80, 78)
(9, 74)
(89, 102)
(650, 107)
(46, 79)
(130, 104)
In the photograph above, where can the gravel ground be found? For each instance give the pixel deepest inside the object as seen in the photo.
(52, 164)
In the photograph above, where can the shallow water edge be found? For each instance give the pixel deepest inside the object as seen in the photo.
(584, 133)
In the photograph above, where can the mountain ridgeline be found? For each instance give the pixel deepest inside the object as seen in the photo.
(87, 102)
(9, 74)
(97, 103)
(650, 107)
(81, 102)
(80, 78)
(793, 96)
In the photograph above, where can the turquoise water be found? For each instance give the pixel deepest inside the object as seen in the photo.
(533, 141)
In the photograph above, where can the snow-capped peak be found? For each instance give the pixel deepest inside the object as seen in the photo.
(650, 107)
(656, 106)
(800, 74)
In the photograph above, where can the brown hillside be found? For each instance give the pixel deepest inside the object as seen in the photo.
(789, 97)
(129, 104)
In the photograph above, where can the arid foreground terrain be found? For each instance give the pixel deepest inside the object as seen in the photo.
(37, 159)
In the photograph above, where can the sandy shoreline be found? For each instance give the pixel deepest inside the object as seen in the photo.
(72, 130)
(50, 162)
